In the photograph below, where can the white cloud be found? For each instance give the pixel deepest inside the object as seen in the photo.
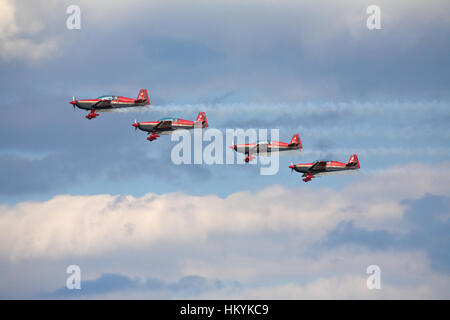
(307, 267)
(17, 37)
(88, 225)
(264, 240)
(335, 275)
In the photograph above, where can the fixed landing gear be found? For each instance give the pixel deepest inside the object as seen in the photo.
(92, 115)
(249, 158)
(308, 177)
(153, 136)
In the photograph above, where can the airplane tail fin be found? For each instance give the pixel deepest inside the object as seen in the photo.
(296, 141)
(202, 118)
(353, 161)
(143, 97)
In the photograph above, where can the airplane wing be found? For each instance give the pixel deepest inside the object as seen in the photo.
(318, 166)
(102, 104)
(163, 125)
(335, 173)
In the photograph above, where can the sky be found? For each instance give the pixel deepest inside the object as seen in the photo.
(97, 194)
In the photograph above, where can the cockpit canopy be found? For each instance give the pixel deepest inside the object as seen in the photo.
(169, 119)
(107, 97)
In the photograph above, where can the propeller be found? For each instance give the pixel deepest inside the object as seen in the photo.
(73, 99)
(292, 166)
(136, 125)
(235, 143)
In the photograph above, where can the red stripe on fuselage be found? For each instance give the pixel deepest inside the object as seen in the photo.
(179, 122)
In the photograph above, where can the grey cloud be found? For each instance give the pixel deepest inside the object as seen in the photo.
(60, 171)
(277, 52)
(117, 283)
(104, 284)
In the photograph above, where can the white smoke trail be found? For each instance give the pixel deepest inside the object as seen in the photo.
(380, 151)
(128, 110)
(308, 108)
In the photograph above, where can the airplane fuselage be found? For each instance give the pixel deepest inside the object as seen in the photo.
(122, 102)
(169, 125)
(175, 125)
(110, 102)
(331, 166)
(264, 148)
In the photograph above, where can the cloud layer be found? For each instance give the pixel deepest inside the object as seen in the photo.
(294, 238)
(236, 52)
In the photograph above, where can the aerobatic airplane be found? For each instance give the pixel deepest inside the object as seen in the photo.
(267, 147)
(108, 103)
(321, 167)
(168, 125)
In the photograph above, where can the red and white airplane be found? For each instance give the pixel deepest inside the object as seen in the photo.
(168, 125)
(109, 102)
(321, 167)
(267, 147)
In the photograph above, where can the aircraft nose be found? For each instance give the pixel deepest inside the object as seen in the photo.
(135, 125)
(73, 102)
(233, 147)
(292, 166)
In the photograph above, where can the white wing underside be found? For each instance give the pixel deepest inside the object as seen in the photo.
(274, 152)
(335, 173)
(125, 109)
